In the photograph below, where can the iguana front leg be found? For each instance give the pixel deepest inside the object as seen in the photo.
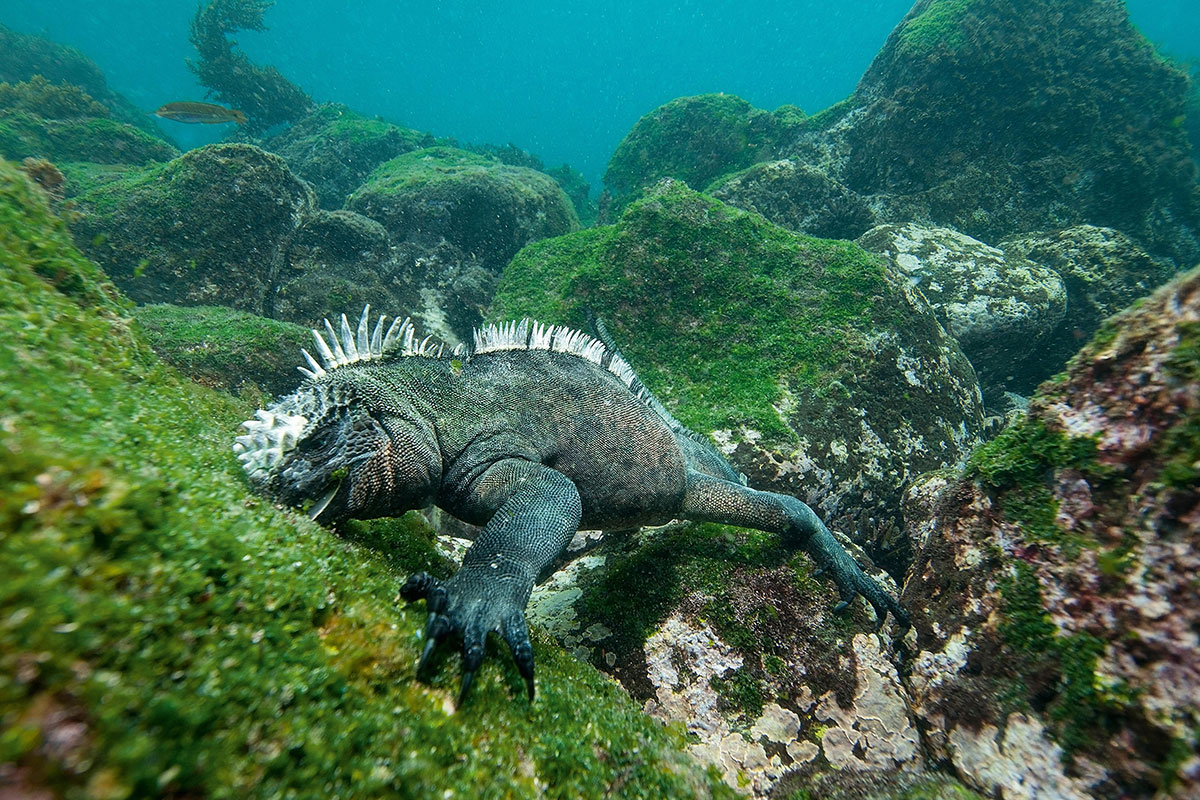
(710, 499)
(536, 511)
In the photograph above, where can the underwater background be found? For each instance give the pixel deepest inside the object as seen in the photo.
(563, 80)
(931, 267)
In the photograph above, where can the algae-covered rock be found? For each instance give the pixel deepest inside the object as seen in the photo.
(798, 197)
(25, 57)
(733, 636)
(225, 348)
(210, 227)
(62, 122)
(692, 139)
(996, 118)
(1001, 307)
(488, 209)
(1054, 599)
(1103, 271)
(165, 632)
(335, 149)
(336, 263)
(812, 363)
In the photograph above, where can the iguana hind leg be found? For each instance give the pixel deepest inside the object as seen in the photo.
(711, 499)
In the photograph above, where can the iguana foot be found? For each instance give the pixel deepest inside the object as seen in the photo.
(468, 607)
(851, 581)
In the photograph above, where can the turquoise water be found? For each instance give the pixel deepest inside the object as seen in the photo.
(565, 80)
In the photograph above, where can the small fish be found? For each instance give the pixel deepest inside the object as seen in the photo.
(200, 113)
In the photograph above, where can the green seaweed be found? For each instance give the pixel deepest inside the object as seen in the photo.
(1026, 626)
(205, 643)
(223, 347)
(939, 25)
(717, 308)
(262, 93)
(693, 139)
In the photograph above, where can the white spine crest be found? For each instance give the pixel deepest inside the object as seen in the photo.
(339, 348)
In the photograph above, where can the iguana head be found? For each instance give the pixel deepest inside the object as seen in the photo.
(331, 447)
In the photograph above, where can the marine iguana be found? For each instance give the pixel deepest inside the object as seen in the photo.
(532, 432)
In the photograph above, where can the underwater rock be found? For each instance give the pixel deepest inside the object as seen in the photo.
(335, 149)
(1054, 600)
(693, 139)
(1006, 117)
(62, 122)
(1103, 271)
(165, 632)
(340, 261)
(732, 635)
(225, 348)
(24, 56)
(999, 306)
(813, 364)
(211, 227)
(798, 197)
(486, 208)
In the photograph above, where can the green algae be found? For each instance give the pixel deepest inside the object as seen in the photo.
(225, 348)
(716, 308)
(205, 643)
(476, 202)
(938, 26)
(100, 139)
(696, 140)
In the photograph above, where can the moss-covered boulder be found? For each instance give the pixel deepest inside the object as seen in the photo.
(997, 118)
(62, 122)
(225, 348)
(1001, 307)
(164, 632)
(1054, 597)
(335, 149)
(486, 208)
(211, 227)
(734, 636)
(798, 197)
(1103, 271)
(24, 56)
(693, 139)
(812, 363)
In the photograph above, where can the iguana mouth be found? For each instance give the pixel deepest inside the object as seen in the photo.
(323, 502)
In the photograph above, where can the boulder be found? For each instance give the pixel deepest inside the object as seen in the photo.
(1006, 117)
(224, 348)
(62, 122)
(1103, 271)
(1001, 307)
(1053, 596)
(335, 149)
(24, 56)
(798, 197)
(695, 140)
(813, 364)
(733, 637)
(487, 209)
(211, 227)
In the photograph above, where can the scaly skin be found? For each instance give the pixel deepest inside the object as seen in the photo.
(531, 444)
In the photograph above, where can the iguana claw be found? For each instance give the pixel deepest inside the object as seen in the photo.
(453, 611)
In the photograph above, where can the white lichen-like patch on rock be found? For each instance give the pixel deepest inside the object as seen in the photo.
(875, 733)
(682, 658)
(552, 605)
(998, 306)
(1021, 764)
